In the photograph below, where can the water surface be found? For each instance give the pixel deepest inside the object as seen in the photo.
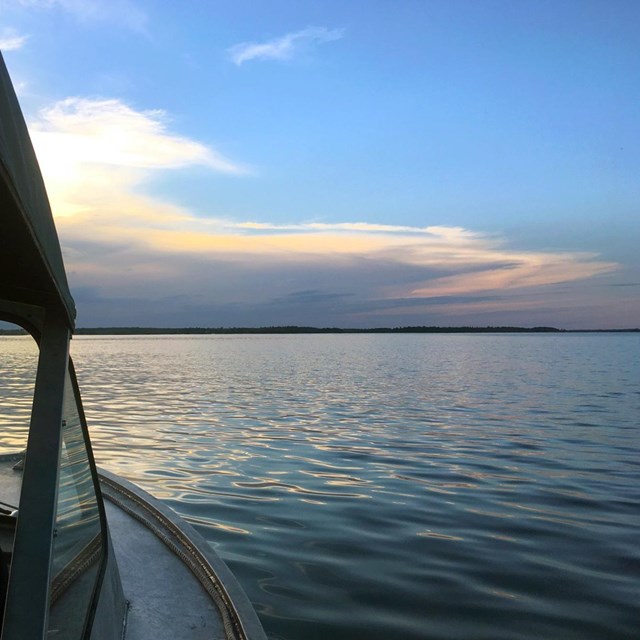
(391, 486)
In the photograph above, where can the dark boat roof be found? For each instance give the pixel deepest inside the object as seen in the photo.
(31, 267)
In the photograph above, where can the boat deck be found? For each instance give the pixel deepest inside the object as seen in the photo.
(165, 601)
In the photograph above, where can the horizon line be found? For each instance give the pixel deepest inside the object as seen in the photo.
(293, 329)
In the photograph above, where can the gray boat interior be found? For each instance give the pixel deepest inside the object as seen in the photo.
(87, 554)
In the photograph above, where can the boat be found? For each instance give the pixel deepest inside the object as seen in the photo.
(85, 554)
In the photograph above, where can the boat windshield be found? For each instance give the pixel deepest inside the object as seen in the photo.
(77, 546)
(77, 542)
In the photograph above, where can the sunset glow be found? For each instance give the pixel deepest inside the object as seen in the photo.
(236, 215)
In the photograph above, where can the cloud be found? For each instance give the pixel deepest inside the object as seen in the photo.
(110, 132)
(283, 48)
(121, 12)
(231, 276)
(11, 40)
(255, 285)
(311, 296)
(340, 226)
(95, 154)
(148, 261)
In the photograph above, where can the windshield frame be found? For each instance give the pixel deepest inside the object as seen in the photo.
(28, 597)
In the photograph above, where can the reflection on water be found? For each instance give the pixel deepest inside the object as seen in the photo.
(404, 486)
(18, 365)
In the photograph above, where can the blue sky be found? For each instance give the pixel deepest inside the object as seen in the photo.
(338, 163)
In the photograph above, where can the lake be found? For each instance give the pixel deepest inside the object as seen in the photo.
(413, 486)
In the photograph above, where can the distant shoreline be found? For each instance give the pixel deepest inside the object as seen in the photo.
(146, 331)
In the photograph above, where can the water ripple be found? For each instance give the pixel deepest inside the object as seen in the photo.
(395, 486)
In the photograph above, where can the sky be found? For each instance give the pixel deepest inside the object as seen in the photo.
(338, 163)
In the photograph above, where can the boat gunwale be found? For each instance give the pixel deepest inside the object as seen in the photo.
(239, 617)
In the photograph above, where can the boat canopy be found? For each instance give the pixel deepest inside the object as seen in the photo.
(31, 267)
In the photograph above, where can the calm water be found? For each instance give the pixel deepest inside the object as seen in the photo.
(389, 486)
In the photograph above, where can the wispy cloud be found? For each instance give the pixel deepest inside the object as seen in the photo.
(11, 40)
(283, 48)
(341, 226)
(122, 12)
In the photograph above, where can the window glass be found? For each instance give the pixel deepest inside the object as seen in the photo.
(18, 366)
(77, 542)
